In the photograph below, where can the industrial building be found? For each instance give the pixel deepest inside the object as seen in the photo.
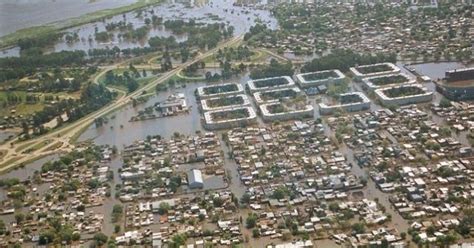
(195, 180)
(458, 84)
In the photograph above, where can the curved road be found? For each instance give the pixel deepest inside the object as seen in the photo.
(61, 137)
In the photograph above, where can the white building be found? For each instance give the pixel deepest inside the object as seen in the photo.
(195, 180)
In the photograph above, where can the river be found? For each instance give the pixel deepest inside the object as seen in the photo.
(20, 14)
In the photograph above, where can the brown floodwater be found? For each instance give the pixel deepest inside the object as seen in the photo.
(119, 131)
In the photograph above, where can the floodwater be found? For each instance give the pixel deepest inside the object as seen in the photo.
(241, 18)
(436, 70)
(5, 135)
(119, 131)
(27, 171)
(19, 14)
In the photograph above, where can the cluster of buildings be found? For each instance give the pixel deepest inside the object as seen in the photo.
(157, 168)
(174, 105)
(70, 191)
(225, 106)
(417, 161)
(457, 115)
(412, 33)
(299, 182)
(279, 99)
(208, 218)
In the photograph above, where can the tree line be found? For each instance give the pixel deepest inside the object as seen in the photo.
(92, 98)
(343, 59)
(18, 67)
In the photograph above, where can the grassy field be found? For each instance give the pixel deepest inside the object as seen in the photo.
(142, 81)
(55, 146)
(181, 77)
(39, 146)
(24, 108)
(8, 162)
(11, 39)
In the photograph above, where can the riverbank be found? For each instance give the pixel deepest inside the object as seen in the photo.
(10, 40)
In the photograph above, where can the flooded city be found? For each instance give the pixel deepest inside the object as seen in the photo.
(209, 123)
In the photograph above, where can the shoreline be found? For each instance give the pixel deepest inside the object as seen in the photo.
(10, 40)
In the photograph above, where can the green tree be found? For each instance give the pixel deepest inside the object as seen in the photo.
(251, 221)
(100, 239)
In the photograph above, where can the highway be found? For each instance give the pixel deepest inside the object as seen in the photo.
(14, 156)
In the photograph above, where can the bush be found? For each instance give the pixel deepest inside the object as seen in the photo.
(251, 221)
(100, 238)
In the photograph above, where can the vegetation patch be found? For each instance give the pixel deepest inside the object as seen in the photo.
(374, 69)
(320, 75)
(220, 89)
(403, 91)
(288, 105)
(277, 108)
(225, 101)
(278, 94)
(271, 82)
(230, 114)
(348, 99)
(396, 79)
(343, 59)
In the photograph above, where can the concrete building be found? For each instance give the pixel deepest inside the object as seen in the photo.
(384, 81)
(219, 90)
(357, 102)
(207, 104)
(262, 97)
(373, 70)
(306, 112)
(458, 84)
(270, 83)
(315, 79)
(459, 75)
(424, 96)
(195, 180)
(213, 123)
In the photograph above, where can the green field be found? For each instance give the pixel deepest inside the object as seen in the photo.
(142, 81)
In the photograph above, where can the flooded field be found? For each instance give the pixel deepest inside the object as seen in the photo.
(241, 18)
